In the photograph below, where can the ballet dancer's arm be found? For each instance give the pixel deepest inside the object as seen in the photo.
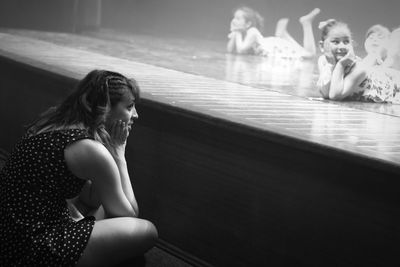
(343, 78)
(348, 75)
(244, 44)
(231, 45)
(325, 74)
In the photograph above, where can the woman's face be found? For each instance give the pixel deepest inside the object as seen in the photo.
(124, 110)
(239, 21)
(337, 43)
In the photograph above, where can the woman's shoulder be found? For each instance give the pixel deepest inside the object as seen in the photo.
(87, 149)
(86, 155)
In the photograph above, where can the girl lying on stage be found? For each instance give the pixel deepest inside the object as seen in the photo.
(375, 42)
(343, 76)
(245, 36)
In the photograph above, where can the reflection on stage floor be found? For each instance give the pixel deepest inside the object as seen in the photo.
(272, 96)
(205, 58)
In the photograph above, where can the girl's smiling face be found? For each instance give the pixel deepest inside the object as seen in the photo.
(239, 21)
(337, 43)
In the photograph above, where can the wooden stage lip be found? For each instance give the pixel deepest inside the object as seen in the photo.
(367, 137)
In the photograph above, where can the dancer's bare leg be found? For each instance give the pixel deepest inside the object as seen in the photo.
(308, 34)
(281, 29)
(281, 32)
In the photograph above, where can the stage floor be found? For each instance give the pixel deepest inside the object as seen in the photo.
(272, 96)
(205, 58)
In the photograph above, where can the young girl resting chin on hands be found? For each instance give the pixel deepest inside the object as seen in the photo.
(245, 36)
(343, 76)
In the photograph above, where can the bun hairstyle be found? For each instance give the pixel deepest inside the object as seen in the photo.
(327, 25)
(89, 104)
(377, 28)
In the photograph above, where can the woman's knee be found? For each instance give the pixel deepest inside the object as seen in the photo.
(140, 232)
(119, 238)
(149, 231)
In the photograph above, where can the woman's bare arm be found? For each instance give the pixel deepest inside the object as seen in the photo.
(90, 160)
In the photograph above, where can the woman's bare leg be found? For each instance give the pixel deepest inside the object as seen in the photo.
(116, 240)
(308, 34)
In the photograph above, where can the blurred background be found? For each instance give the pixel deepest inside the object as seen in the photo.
(205, 19)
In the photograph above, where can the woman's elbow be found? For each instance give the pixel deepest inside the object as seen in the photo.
(136, 211)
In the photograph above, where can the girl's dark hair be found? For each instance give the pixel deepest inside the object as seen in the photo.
(253, 16)
(89, 104)
(327, 26)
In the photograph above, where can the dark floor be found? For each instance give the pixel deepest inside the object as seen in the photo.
(157, 257)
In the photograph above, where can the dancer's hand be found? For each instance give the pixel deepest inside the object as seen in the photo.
(232, 26)
(232, 34)
(349, 59)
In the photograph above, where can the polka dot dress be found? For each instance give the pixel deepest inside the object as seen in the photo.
(35, 226)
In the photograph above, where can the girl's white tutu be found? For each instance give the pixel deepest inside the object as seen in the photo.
(279, 47)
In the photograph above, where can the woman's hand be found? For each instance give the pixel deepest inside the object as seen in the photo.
(76, 215)
(119, 133)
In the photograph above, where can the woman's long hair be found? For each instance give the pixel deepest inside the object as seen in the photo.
(89, 104)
